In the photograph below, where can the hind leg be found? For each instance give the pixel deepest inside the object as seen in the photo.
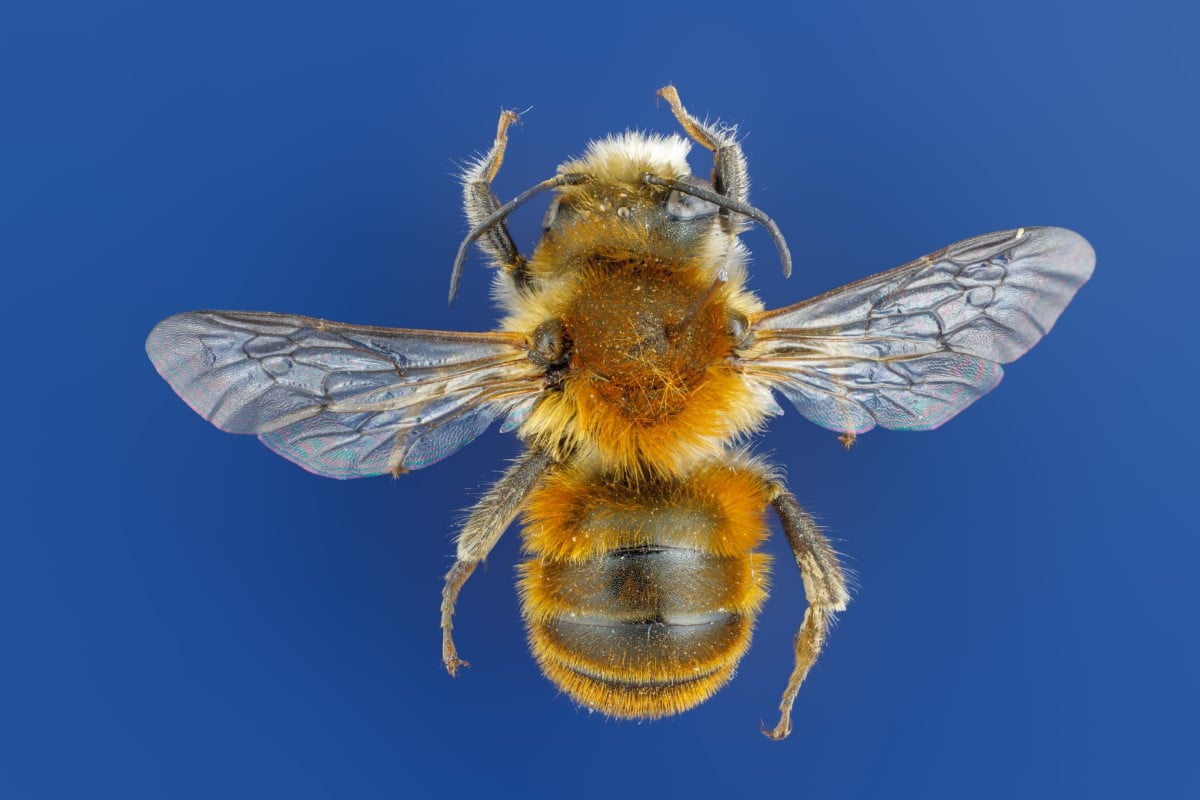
(824, 586)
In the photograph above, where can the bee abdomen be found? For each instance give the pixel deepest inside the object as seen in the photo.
(646, 631)
(640, 596)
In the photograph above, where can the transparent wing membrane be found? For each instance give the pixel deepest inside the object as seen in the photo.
(909, 348)
(343, 401)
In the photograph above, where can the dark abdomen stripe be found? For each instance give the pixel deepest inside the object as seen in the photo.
(642, 583)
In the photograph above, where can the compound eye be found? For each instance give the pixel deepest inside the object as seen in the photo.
(683, 206)
(551, 214)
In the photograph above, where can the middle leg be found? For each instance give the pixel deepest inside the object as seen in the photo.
(489, 518)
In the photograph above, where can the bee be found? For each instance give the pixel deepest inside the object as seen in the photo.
(633, 363)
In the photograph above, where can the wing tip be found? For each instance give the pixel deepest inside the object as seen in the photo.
(178, 354)
(1070, 249)
(156, 341)
(164, 337)
(163, 350)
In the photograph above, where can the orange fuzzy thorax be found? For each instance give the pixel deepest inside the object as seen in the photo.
(649, 387)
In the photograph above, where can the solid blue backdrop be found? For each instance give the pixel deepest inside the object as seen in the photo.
(185, 614)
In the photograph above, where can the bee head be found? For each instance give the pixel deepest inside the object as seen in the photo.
(644, 181)
(635, 210)
(633, 193)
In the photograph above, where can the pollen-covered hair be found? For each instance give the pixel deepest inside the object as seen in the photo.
(625, 157)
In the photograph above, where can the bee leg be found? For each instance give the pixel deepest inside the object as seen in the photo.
(479, 202)
(729, 176)
(488, 521)
(825, 588)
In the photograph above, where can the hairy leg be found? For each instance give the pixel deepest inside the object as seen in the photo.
(479, 201)
(489, 518)
(824, 586)
(729, 177)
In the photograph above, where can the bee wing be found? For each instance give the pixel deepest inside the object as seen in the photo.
(344, 401)
(909, 348)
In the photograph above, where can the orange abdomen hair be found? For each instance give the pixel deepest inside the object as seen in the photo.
(640, 598)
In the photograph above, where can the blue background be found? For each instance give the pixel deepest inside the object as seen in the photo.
(184, 614)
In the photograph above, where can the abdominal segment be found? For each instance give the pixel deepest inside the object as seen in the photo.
(652, 615)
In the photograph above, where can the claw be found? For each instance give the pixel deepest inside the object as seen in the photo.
(780, 731)
(453, 663)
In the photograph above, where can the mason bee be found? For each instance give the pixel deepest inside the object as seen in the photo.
(633, 362)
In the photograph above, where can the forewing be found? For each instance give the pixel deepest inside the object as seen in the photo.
(344, 401)
(910, 348)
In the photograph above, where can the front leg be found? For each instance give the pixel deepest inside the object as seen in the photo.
(479, 202)
(729, 176)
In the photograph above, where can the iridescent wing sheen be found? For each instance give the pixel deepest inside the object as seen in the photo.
(344, 401)
(910, 348)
